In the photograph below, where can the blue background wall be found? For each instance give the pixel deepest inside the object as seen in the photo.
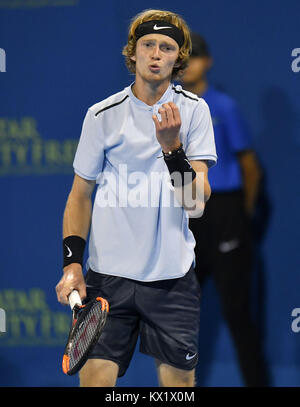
(62, 57)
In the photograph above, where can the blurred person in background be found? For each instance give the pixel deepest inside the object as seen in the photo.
(223, 234)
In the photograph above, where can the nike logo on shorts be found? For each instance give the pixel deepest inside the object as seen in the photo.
(188, 356)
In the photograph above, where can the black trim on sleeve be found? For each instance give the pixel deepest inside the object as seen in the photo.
(184, 94)
(114, 104)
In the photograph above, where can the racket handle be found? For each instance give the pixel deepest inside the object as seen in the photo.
(74, 298)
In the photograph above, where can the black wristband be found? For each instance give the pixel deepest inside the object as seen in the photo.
(177, 161)
(73, 249)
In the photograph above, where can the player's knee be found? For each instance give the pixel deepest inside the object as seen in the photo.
(187, 379)
(99, 373)
(183, 379)
(171, 376)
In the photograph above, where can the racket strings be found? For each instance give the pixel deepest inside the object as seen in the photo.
(86, 333)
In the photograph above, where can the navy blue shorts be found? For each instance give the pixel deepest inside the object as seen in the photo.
(164, 313)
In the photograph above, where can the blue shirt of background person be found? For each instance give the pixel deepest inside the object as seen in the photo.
(231, 137)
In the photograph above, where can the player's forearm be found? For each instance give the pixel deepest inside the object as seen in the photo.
(77, 216)
(193, 196)
(201, 188)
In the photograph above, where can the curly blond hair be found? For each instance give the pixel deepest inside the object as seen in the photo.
(173, 18)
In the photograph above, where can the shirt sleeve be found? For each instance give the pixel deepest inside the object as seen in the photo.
(200, 138)
(89, 156)
(236, 129)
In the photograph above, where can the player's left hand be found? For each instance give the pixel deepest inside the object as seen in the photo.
(167, 130)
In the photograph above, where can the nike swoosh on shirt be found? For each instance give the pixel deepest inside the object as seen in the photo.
(159, 28)
(69, 251)
(188, 357)
(226, 247)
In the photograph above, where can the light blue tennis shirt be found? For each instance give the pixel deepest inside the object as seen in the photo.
(138, 229)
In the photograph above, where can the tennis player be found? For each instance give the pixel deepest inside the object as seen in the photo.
(154, 141)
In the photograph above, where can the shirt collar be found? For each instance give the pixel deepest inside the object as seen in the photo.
(166, 97)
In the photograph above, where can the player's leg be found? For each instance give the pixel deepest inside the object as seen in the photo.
(169, 327)
(169, 376)
(99, 373)
(110, 357)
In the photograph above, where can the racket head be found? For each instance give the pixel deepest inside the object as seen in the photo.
(88, 323)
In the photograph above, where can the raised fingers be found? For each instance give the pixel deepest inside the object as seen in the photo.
(168, 114)
(176, 113)
(164, 117)
(156, 122)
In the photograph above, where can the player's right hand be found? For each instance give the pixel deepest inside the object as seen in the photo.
(72, 279)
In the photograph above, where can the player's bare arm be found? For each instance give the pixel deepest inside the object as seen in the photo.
(76, 222)
(193, 196)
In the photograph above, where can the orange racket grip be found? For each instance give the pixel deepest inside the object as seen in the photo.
(104, 304)
(66, 364)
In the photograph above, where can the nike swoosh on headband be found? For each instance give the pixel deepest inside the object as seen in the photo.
(159, 28)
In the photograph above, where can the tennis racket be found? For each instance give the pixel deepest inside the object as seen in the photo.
(87, 325)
